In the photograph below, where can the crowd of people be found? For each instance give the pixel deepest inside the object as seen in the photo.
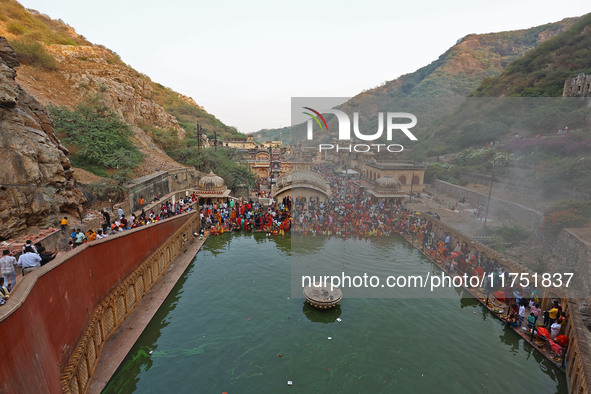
(31, 257)
(111, 226)
(347, 212)
(236, 215)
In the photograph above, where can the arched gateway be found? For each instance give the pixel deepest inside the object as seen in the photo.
(301, 183)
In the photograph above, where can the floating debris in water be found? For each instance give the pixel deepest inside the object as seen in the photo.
(289, 383)
(339, 319)
(329, 338)
(150, 352)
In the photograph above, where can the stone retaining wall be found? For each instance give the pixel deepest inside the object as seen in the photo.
(575, 256)
(160, 184)
(148, 187)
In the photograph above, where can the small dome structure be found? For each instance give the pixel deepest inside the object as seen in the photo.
(388, 184)
(211, 184)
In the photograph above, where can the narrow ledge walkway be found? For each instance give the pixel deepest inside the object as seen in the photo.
(117, 347)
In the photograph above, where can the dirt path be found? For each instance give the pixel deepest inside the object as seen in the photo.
(461, 218)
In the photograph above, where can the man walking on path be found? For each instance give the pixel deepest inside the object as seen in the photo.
(80, 237)
(107, 223)
(7, 264)
(64, 224)
(29, 244)
(29, 261)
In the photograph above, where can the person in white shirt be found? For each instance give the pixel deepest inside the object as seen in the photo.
(29, 261)
(521, 314)
(555, 329)
(30, 244)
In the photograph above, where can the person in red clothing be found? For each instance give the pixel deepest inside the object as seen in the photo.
(123, 223)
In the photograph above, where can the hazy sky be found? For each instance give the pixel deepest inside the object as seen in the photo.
(244, 60)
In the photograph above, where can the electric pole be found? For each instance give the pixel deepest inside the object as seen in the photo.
(492, 177)
(199, 145)
(412, 177)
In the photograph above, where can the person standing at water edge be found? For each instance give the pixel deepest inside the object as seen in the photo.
(531, 321)
(552, 314)
(521, 313)
(536, 310)
(555, 329)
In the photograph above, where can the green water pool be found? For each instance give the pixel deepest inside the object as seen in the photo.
(231, 325)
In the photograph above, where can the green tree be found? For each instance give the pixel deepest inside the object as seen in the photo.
(97, 135)
(226, 163)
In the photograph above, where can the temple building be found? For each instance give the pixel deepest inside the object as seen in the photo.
(240, 143)
(260, 163)
(411, 175)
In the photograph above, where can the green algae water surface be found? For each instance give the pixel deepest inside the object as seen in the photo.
(230, 325)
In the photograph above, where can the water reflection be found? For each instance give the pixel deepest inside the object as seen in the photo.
(283, 242)
(307, 244)
(316, 315)
(468, 300)
(140, 359)
(217, 244)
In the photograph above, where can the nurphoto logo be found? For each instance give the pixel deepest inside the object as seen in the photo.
(392, 124)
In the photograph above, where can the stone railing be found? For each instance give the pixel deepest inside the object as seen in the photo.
(116, 306)
(578, 359)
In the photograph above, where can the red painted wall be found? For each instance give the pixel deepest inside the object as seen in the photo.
(38, 338)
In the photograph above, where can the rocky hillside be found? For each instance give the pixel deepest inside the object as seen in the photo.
(37, 182)
(456, 73)
(60, 67)
(542, 71)
(523, 109)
